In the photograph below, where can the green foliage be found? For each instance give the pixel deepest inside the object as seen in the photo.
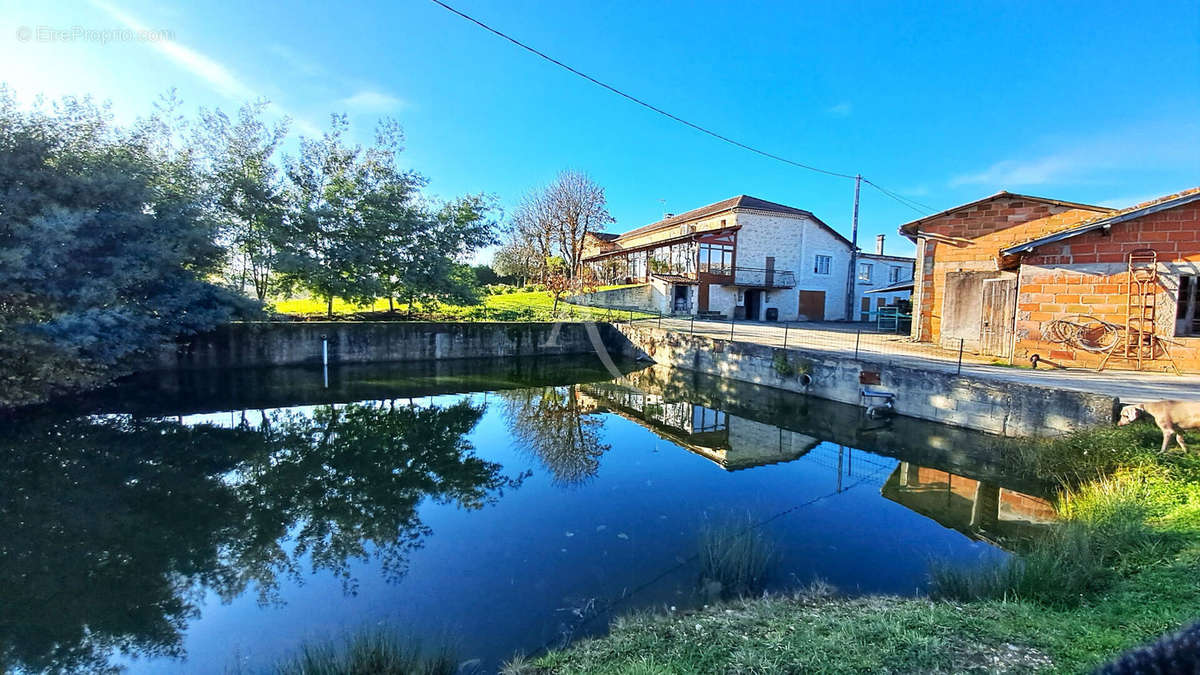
(106, 245)
(735, 559)
(124, 524)
(379, 651)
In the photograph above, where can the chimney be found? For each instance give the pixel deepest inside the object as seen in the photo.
(879, 244)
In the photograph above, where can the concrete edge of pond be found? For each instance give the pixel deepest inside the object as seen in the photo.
(999, 407)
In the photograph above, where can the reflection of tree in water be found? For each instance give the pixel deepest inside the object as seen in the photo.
(114, 527)
(551, 424)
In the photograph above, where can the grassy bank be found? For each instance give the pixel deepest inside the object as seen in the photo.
(518, 305)
(1120, 570)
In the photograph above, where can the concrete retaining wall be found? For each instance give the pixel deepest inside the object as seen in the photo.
(253, 344)
(639, 296)
(998, 407)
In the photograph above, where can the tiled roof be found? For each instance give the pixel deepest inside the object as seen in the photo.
(911, 226)
(604, 236)
(738, 202)
(1111, 218)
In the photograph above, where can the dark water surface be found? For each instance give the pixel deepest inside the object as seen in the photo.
(211, 522)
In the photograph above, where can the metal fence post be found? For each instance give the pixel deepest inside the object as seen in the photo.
(692, 326)
(731, 330)
(660, 319)
(631, 317)
(857, 337)
(960, 351)
(785, 331)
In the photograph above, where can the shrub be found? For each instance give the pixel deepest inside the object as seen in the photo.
(379, 651)
(735, 559)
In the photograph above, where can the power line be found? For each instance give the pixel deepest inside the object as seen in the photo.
(664, 113)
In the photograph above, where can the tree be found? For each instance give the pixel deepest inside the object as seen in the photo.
(516, 259)
(247, 188)
(324, 245)
(577, 206)
(106, 245)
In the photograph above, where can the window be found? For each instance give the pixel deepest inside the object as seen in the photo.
(864, 271)
(1187, 316)
(823, 264)
(716, 258)
(894, 274)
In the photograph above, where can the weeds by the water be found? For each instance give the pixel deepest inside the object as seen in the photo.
(1108, 523)
(379, 651)
(1119, 571)
(735, 559)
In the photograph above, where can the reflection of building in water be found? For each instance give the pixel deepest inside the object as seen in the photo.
(978, 509)
(732, 442)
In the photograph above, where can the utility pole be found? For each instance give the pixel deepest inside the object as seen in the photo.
(853, 275)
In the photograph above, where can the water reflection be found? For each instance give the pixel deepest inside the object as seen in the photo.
(553, 424)
(979, 509)
(114, 526)
(246, 484)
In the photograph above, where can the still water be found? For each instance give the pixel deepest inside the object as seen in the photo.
(213, 522)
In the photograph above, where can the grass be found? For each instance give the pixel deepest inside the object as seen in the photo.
(521, 305)
(378, 651)
(735, 558)
(1120, 571)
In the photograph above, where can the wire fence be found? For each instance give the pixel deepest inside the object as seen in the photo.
(865, 341)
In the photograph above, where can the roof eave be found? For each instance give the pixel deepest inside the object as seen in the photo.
(1103, 223)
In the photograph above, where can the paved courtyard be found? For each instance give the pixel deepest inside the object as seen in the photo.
(849, 339)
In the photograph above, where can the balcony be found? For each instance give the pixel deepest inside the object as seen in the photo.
(756, 277)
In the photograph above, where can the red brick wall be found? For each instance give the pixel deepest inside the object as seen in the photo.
(988, 227)
(1056, 282)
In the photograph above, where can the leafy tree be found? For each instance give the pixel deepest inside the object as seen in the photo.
(325, 247)
(105, 246)
(247, 189)
(517, 259)
(485, 275)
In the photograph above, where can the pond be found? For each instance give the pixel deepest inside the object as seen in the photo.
(214, 522)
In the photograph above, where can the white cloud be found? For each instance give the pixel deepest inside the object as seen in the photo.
(215, 74)
(1011, 173)
(842, 109)
(1148, 145)
(372, 100)
(220, 78)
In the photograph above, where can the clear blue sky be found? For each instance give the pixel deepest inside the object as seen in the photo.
(943, 102)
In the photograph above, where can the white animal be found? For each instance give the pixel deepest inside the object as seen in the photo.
(1168, 415)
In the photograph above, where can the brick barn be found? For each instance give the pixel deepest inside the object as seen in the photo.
(1013, 275)
(1085, 270)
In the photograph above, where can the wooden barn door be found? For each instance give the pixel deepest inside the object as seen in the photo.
(812, 305)
(999, 307)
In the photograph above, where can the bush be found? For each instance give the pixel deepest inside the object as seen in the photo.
(378, 651)
(735, 559)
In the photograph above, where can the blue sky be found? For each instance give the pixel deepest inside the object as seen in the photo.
(942, 102)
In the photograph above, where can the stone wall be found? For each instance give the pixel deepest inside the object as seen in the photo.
(258, 344)
(1004, 408)
(639, 296)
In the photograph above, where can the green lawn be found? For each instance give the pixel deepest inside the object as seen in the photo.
(1136, 512)
(519, 306)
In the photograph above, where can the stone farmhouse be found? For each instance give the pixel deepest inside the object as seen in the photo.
(742, 258)
(1029, 278)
